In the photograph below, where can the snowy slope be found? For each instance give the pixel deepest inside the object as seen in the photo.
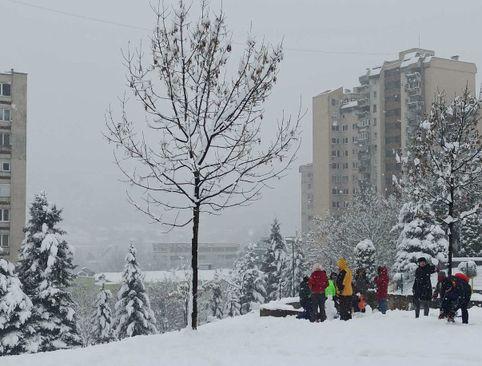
(396, 339)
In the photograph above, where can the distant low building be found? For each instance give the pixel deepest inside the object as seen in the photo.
(210, 255)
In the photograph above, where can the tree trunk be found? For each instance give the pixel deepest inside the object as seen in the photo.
(194, 251)
(451, 229)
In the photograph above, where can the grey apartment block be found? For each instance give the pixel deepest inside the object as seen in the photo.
(358, 133)
(13, 161)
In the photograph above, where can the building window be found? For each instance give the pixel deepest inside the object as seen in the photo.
(333, 153)
(374, 94)
(5, 114)
(4, 215)
(4, 240)
(5, 166)
(374, 109)
(4, 189)
(346, 152)
(5, 139)
(5, 90)
(345, 127)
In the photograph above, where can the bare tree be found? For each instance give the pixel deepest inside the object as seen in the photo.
(444, 166)
(200, 148)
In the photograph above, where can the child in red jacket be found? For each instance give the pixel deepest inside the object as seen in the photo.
(318, 282)
(381, 281)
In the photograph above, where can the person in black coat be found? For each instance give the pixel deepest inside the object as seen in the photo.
(305, 298)
(422, 287)
(457, 296)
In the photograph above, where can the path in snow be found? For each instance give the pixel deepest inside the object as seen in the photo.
(373, 339)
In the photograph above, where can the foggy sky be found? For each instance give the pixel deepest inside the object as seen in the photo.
(75, 72)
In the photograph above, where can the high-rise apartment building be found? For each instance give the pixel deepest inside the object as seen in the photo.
(358, 133)
(13, 161)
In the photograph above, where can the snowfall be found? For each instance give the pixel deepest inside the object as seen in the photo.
(370, 339)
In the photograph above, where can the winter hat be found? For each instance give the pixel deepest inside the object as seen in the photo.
(316, 267)
(342, 264)
(422, 259)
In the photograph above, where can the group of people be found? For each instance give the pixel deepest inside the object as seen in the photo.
(452, 292)
(349, 293)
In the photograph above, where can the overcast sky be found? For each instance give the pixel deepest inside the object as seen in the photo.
(75, 72)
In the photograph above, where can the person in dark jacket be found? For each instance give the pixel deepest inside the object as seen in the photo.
(422, 287)
(318, 282)
(440, 288)
(360, 290)
(381, 282)
(305, 299)
(457, 296)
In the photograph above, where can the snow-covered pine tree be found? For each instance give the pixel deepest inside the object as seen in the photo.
(471, 236)
(15, 311)
(275, 265)
(216, 304)
(420, 236)
(296, 268)
(133, 310)
(252, 280)
(46, 272)
(233, 304)
(101, 323)
(365, 257)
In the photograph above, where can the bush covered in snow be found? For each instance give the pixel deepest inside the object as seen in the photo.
(469, 268)
(365, 257)
(419, 237)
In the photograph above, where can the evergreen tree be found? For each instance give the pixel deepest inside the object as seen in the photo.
(233, 304)
(251, 280)
(365, 254)
(133, 310)
(46, 271)
(15, 311)
(296, 268)
(419, 237)
(216, 304)
(471, 237)
(275, 265)
(101, 322)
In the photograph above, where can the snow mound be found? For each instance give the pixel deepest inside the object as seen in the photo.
(373, 339)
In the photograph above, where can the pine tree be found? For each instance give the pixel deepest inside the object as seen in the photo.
(233, 304)
(46, 271)
(216, 304)
(15, 312)
(365, 257)
(419, 237)
(296, 267)
(471, 236)
(275, 265)
(133, 310)
(101, 323)
(251, 280)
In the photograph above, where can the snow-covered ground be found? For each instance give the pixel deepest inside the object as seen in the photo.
(373, 339)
